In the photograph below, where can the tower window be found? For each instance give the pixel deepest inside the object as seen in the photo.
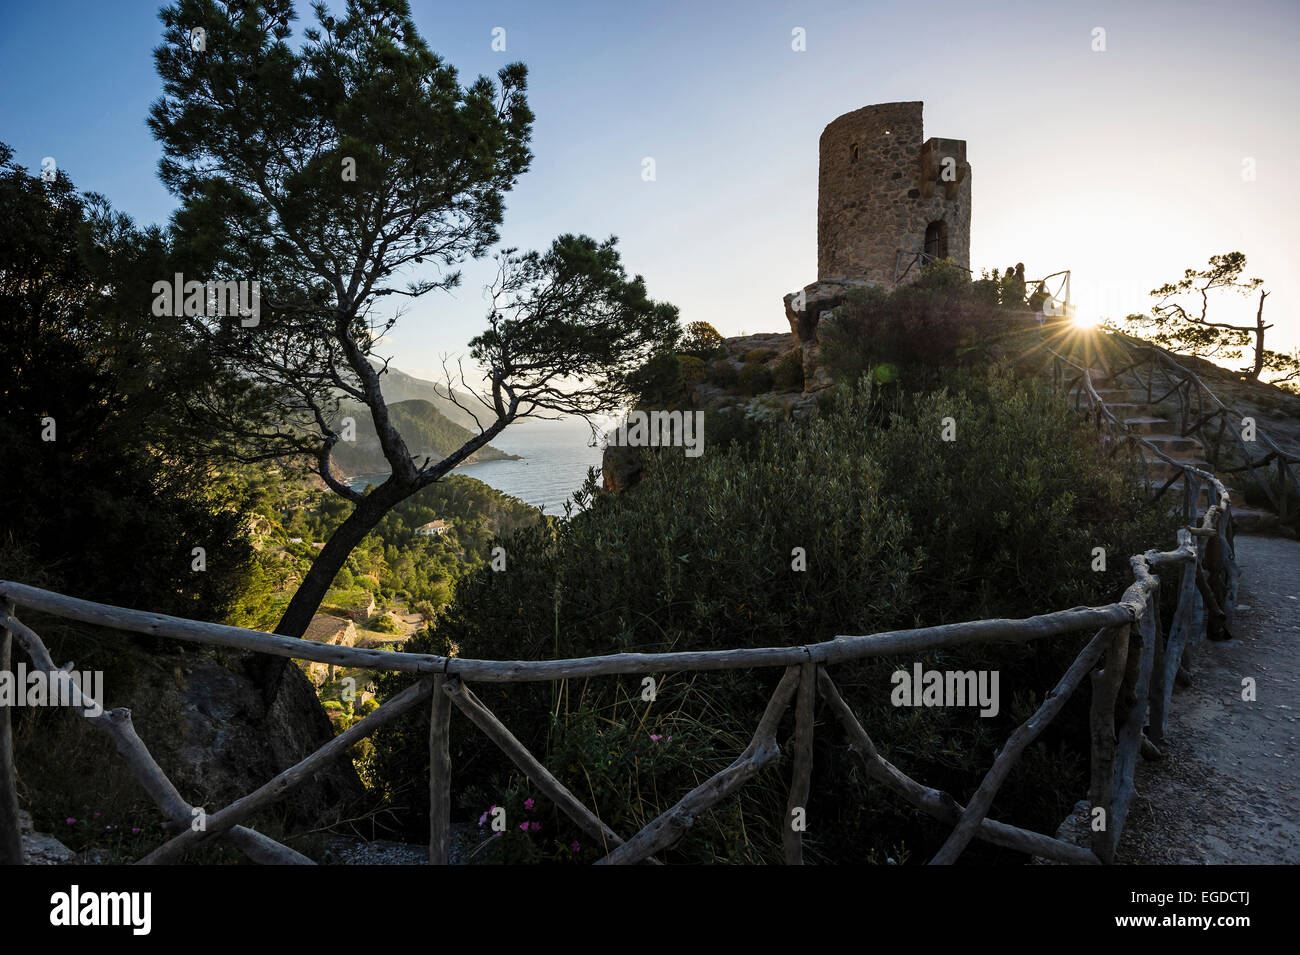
(936, 239)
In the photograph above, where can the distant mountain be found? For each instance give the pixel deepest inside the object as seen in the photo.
(426, 430)
(399, 386)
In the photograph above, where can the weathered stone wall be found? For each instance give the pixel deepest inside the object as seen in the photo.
(880, 184)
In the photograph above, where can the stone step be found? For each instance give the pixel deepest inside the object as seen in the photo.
(1125, 409)
(1111, 393)
(1161, 471)
(1173, 444)
(1252, 520)
(1148, 424)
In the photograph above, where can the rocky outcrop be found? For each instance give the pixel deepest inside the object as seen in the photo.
(40, 848)
(805, 310)
(620, 468)
(218, 736)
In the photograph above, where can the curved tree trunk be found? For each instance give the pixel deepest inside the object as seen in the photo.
(365, 518)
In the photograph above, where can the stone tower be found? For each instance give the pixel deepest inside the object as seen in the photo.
(883, 187)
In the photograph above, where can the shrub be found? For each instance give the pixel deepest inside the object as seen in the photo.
(722, 373)
(759, 354)
(702, 341)
(658, 383)
(692, 370)
(921, 329)
(788, 374)
(754, 379)
(898, 528)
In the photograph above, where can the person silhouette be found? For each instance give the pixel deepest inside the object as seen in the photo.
(1018, 282)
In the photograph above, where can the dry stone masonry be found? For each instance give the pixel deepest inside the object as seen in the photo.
(884, 194)
(882, 188)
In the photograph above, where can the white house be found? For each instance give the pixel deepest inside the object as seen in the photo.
(432, 529)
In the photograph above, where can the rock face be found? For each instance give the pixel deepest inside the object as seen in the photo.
(218, 738)
(804, 310)
(39, 848)
(620, 468)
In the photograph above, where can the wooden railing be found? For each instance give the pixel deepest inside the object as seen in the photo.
(1131, 661)
(1201, 413)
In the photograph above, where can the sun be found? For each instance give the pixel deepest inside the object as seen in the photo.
(1085, 320)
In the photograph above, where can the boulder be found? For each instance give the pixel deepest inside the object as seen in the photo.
(817, 299)
(40, 848)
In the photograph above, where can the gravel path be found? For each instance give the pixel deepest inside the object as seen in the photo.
(1229, 790)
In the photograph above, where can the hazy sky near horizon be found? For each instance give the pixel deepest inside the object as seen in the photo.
(1125, 166)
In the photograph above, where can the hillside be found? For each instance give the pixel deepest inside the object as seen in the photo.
(426, 430)
(398, 386)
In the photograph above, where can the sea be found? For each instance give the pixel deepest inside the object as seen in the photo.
(554, 458)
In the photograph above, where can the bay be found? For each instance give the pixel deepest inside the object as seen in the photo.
(554, 458)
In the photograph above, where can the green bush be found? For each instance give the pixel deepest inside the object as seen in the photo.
(722, 373)
(658, 383)
(702, 341)
(754, 379)
(898, 528)
(788, 374)
(759, 354)
(692, 370)
(921, 329)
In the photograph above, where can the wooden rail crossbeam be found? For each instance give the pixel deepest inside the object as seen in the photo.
(277, 788)
(117, 724)
(762, 749)
(528, 764)
(935, 802)
(1025, 734)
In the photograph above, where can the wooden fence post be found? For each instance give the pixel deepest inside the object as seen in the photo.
(11, 840)
(1105, 691)
(1133, 701)
(1281, 488)
(801, 773)
(440, 775)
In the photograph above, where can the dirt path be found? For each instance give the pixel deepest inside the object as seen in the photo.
(1229, 791)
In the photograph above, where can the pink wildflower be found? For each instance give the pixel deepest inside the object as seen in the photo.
(656, 737)
(136, 830)
(71, 821)
(535, 826)
(528, 803)
(574, 846)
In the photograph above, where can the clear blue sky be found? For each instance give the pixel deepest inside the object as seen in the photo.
(1125, 166)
